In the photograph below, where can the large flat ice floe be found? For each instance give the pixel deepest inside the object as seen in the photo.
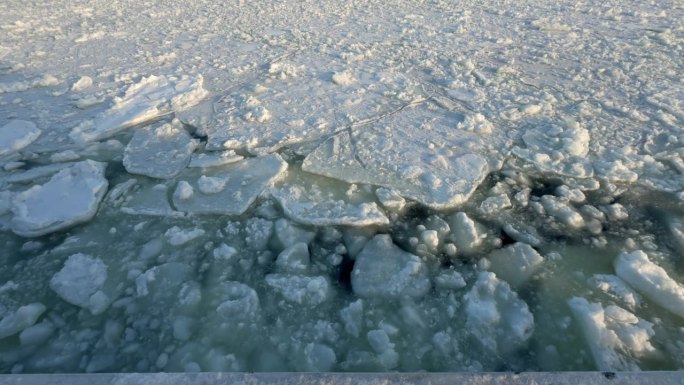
(70, 197)
(151, 97)
(228, 189)
(418, 151)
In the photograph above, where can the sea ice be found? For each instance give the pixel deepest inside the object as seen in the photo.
(80, 281)
(299, 289)
(242, 183)
(383, 270)
(71, 196)
(159, 152)
(651, 280)
(515, 264)
(150, 98)
(20, 319)
(16, 135)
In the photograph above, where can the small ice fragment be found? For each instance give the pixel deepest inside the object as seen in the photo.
(211, 185)
(294, 259)
(82, 83)
(20, 319)
(177, 236)
(80, 281)
(515, 264)
(16, 135)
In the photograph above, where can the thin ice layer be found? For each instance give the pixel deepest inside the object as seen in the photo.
(383, 270)
(228, 190)
(651, 280)
(71, 196)
(16, 135)
(418, 152)
(159, 152)
(150, 98)
(316, 201)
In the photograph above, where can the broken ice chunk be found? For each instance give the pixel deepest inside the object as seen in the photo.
(309, 202)
(617, 289)
(288, 233)
(20, 319)
(70, 197)
(390, 199)
(309, 291)
(294, 259)
(613, 334)
(150, 98)
(499, 320)
(16, 135)
(651, 280)
(383, 270)
(466, 233)
(515, 264)
(159, 152)
(242, 183)
(177, 236)
(80, 281)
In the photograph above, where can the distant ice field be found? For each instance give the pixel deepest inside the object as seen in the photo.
(341, 186)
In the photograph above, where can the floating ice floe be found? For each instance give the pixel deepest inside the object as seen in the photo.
(20, 319)
(70, 197)
(80, 281)
(300, 289)
(159, 152)
(499, 320)
(231, 189)
(16, 135)
(417, 152)
(312, 201)
(616, 289)
(615, 336)
(383, 270)
(150, 98)
(515, 264)
(650, 280)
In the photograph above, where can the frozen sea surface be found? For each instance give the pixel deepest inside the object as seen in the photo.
(341, 186)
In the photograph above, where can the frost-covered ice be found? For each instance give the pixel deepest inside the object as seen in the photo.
(71, 196)
(346, 186)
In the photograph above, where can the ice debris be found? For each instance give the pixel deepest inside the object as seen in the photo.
(16, 135)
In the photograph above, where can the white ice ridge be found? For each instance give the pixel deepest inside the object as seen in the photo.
(80, 282)
(150, 98)
(231, 189)
(16, 135)
(70, 197)
(499, 320)
(159, 152)
(614, 335)
(383, 270)
(651, 280)
(417, 151)
(312, 200)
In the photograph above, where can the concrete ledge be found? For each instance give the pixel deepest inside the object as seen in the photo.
(560, 378)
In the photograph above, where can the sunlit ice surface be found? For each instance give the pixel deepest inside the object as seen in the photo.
(341, 186)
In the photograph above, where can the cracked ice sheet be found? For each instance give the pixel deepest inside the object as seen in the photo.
(298, 102)
(159, 152)
(420, 151)
(314, 200)
(228, 190)
(150, 98)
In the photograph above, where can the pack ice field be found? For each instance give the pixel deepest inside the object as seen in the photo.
(370, 185)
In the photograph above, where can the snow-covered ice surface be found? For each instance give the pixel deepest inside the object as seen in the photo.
(341, 186)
